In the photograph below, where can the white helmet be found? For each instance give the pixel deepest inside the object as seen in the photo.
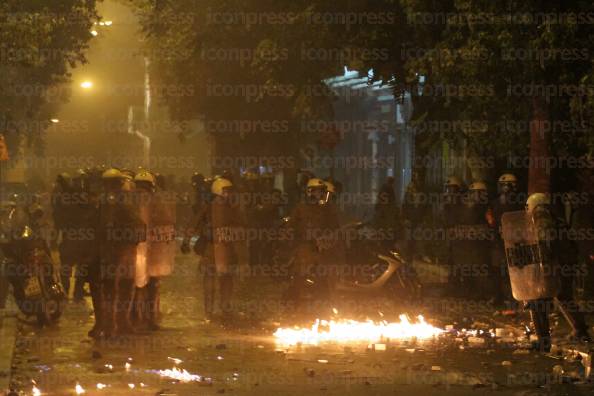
(537, 199)
(314, 182)
(218, 185)
(478, 186)
(508, 178)
(453, 181)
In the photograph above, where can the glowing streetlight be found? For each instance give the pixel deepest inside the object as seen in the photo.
(86, 84)
(54, 120)
(94, 33)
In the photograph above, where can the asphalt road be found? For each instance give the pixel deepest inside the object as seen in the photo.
(247, 361)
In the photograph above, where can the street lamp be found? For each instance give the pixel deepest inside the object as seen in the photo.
(54, 120)
(86, 85)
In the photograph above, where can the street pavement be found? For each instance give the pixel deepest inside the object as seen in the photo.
(245, 360)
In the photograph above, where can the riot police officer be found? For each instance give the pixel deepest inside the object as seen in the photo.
(220, 225)
(559, 253)
(161, 243)
(63, 217)
(83, 210)
(472, 241)
(90, 263)
(120, 229)
(315, 227)
(144, 183)
(451, 211)
(508, 200)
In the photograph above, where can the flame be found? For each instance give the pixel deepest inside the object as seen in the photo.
(181, 375)
(79, 389)
(35, 391)
(101, 386)
(352, 331)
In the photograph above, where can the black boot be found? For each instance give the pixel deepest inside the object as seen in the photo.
(124, 298)
(96, 298)
(108, 301)
(153, 303)
(539, 312)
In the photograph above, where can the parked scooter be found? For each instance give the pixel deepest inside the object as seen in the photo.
(28, 265)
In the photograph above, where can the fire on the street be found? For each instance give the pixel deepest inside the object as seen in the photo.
(182, 375)
(79, 390)
(348, 331)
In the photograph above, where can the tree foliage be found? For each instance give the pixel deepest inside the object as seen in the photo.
(40, 41)
(479, 65)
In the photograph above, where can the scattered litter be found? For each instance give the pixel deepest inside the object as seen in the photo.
(324, 361)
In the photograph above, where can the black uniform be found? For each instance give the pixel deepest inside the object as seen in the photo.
(452, 213)
(470, 237)
(64, 217)
(561, 249)
(120, 230)
(318, 244)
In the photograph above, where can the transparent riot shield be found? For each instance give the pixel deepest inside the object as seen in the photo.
(532, 268)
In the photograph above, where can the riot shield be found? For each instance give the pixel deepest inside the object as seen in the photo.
(532, 268)
(161, 238)
(141, 273)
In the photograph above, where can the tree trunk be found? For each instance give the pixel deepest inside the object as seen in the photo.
(538, 174)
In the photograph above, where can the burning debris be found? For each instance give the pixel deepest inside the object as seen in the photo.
(342, 331)
(79, 390)
(182, 375)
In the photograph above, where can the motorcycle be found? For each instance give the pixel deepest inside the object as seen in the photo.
(28, 266)
(390, 274)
